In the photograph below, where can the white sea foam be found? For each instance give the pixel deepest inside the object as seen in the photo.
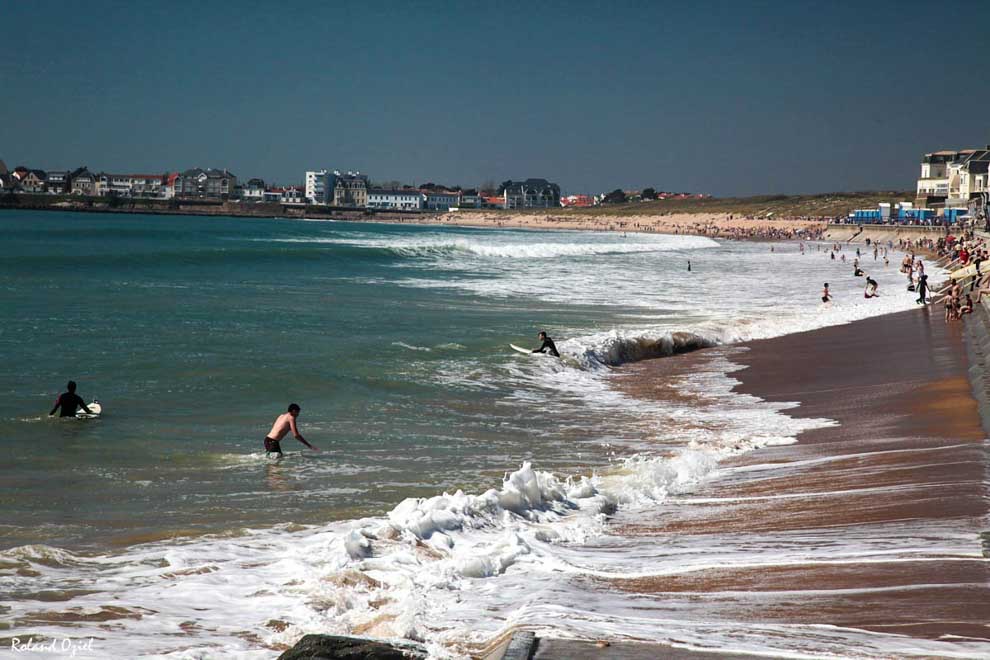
(402, 344)
(405, 575)
(459, 568)
(515, 245)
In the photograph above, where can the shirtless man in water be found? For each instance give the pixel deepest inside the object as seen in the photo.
(283, 424)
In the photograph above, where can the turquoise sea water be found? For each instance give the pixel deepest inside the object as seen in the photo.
(161, 529)
(195, 333)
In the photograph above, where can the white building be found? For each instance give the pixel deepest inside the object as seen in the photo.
(399, 200)
(294, 195)
(471, 199)
(318, 184)
(130, 185)
(952, 178)
(442, 200)
(253, 191)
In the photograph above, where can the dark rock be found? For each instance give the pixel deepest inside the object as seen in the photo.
(338, 647)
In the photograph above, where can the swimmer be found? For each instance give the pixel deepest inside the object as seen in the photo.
(283, 424)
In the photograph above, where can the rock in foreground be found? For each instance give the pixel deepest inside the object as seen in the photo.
(337, 647)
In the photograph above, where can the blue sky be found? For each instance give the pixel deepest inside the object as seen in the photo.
(728, 98)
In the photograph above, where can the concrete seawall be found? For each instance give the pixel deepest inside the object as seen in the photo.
(882, 233)
(977, 334)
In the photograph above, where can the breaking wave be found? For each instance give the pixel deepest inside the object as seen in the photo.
(535, 248)
(613, 348)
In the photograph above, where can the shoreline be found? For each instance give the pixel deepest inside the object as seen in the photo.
(891, 503)
(675, 361)
(694, 224)
(731, 226)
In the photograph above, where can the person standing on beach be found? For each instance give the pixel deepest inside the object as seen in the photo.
(922, 290)
(69, 402)
(826, 294)
(547, 345)
(283, 424)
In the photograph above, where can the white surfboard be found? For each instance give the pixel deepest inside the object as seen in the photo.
(964, 272)
(95, 411)
(520, 349)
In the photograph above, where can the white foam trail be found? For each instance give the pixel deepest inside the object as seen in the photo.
(515, 245)
(402, 344)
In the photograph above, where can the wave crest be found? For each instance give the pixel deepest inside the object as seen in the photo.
(613, 349)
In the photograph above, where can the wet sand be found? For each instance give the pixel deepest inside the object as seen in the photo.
(884, 511)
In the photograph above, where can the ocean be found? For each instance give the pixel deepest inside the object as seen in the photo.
(460, 488)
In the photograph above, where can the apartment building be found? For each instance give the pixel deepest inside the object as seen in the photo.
(398, 200)
(350, 189)
(952, 178)
(129, 185)
(320, 186)
(442, 200)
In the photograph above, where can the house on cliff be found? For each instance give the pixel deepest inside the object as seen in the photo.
(35, 181)
(57, 182)
(207, 184)
(82, 182)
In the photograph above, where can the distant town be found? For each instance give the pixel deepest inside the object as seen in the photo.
(953, 184)
(321, 188)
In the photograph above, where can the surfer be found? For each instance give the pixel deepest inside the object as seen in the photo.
(283, 424)
(69, 402)
(547, 345)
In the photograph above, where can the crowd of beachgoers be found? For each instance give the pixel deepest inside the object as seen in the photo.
(964, 256)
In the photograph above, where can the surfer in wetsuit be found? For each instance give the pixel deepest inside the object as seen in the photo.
(283, 424)
(547, 345)
(69, 402)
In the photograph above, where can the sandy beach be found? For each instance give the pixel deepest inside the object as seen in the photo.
(723, 225)
(872, 502)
